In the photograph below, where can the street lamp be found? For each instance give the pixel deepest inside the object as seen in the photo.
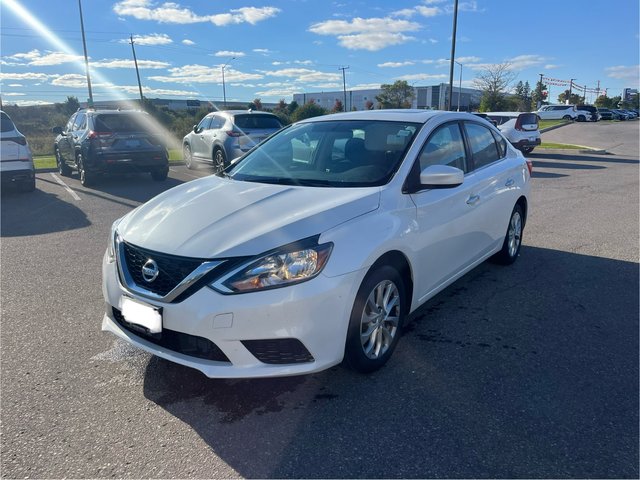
(224, 91)
(460, 87)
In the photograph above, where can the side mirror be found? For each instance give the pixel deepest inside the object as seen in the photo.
(57, 130)
(195, 128)
(441, 176)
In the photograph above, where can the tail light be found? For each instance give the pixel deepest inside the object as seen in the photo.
(530, 166)
(233, 133)
(20, 140)
(104, 139)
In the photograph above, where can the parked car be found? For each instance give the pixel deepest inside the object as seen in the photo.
(521, 129)
(316, 245)
(557, 112)
(606, 114)
(16, 160)
(593, 111)
(620, 115)
(221, 137)
(630, 113)
(96, 142)
(486, 117)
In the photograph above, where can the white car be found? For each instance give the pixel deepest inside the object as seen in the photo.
(520, 128)
(16, 162)
(315, 246)
(557, 112)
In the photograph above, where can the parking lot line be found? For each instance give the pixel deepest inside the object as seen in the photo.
(66, 187)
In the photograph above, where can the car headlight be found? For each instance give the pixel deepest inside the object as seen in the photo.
(111, 245)
(286, 266)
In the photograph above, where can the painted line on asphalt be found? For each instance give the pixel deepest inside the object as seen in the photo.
(66, 187)
(184, 173)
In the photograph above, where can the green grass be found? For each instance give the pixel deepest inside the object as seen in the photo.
(49, 161)
(561, 146)
(550, 123)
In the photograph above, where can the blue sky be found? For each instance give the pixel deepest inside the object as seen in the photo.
(283, 47)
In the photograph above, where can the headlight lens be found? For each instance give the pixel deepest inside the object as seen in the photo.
(276, 269)
(111, 248)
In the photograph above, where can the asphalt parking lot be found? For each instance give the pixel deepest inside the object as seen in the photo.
(522, 371)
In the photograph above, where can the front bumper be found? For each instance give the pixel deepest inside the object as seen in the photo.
(313, 314)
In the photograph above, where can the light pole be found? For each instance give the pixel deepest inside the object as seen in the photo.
(460, 87)
(224, 91)
(453, 52)
(568, 100)
(86, 58)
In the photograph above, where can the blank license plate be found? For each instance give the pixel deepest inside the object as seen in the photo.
(133, 143)
(141, 314)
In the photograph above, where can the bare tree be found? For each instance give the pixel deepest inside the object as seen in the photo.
(494, 81)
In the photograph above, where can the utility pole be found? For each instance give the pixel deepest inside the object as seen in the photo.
(453, 53)
(344, 88)
(86, 58)
(570, 89)
(135, 60)
(460, 87)
(224, 90)
(584, 94)
(539, 102)
(598, 91)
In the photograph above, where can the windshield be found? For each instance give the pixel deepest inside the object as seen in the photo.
(354, 153)
(123, 123)
(256, 121)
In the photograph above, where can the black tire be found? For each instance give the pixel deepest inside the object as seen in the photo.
(188, 157)
(582, 118)
(219, 160)
(28, 185)
(567, 117)
(527, 150)
(368, 354)
(160, 174)
(87, 179)
(63, 168)
(513, 238)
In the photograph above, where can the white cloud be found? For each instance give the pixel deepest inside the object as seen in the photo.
(366, 86)
(423, 76)
(188, 74)
(15, 85)
(367, 33)
(151, 39)
(394, 64)
(279, 92)
(13, 94)
(305, 75)
(73, 80)
(405, 12)
(36, 58)
(622, 72)
(373, 41)
(228, 53)
(70, 80)
(551, 66)
(24, 76)
(429, 11)
(170, 12)
(264, 51)
(522, 62)
(327, 85)
(294, 62)
(186, 41)
(124, 63)
(464, 60)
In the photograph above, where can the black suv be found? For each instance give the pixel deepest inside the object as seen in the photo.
(96, 142)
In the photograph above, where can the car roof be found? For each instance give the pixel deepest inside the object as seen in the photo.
(242, 112)
(507, 114)
(399, 115)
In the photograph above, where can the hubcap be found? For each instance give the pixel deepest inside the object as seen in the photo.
(515, 233)
(380, 317)
(219, 160)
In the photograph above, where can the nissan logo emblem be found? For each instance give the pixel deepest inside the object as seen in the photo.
(150, 271)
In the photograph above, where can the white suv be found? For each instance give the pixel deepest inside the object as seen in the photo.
(316, 245)
(557, 112)
(16, 164)
(521, 129)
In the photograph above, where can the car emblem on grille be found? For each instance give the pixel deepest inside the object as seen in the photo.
(150, 270)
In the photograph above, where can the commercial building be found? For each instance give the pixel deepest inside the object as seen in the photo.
(427, 97)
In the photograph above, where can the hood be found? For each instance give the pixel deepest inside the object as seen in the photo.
(216, 217)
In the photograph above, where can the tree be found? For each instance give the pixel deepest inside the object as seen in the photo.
(255, 105)
(293, 106)
(540, 94)
(337, 107)
(307, 111)
(281, 106)
(523, 97)
(574, 99)
(398, 95)
(71, 105)
(494, 82)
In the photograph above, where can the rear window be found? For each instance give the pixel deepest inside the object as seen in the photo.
(528, 119)
(7, 124)
(256, 121)
(111, 122)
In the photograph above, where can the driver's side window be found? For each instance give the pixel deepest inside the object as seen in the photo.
(445, 147)
(204, 124)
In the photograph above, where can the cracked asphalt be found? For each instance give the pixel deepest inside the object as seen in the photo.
(522, 371)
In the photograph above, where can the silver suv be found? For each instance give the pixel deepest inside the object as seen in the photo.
(16, 165)
(221, 137)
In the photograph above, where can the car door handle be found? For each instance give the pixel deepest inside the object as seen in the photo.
(510, 183)
(473, 199)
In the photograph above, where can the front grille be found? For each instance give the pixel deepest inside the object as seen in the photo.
(172, 269)
(279, 351)
(184, 343)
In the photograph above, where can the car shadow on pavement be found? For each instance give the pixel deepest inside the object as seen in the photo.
(582, 157)
(138, 187)
(524, 371)
(37, 213)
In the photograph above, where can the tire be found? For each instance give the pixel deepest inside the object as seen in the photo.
(28, 186)
(87, 179)
(582, 118)
(219, 160)
(160, 174)
(527, 150)
(372, 337)
(538, 117)
(188, 157)
(63, 168)
(513, 239)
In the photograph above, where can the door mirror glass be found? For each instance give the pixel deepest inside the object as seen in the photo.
(441, 176)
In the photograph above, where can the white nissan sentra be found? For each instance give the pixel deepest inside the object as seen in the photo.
(317, 244)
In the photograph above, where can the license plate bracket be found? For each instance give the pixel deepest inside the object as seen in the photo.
(141, 314)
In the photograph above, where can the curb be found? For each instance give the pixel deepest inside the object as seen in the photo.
(548, 129)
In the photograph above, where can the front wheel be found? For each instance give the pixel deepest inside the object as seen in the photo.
(219, 160)
(160, 174)
(567, 117)
(513, 239)
(188, 157)
(582, 118)
(376, 319)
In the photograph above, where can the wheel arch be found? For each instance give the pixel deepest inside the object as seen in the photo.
(522, 201)
(398, 261)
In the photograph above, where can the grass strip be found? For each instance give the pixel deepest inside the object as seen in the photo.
(49, 161)
(562, 146)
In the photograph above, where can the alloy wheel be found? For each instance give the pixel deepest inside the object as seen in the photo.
(515, 233)
(380, 319)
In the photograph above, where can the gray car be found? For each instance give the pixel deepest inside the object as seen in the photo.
(221, 137)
